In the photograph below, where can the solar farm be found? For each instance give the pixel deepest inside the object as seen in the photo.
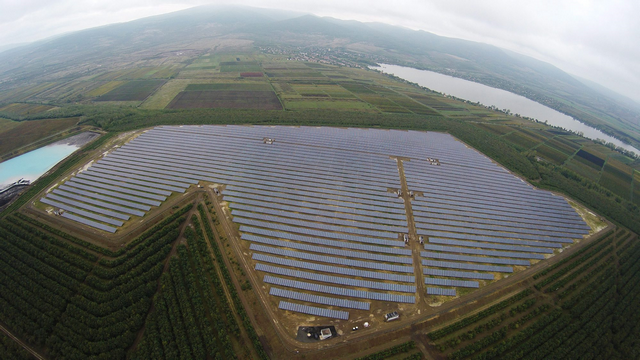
(338, 224)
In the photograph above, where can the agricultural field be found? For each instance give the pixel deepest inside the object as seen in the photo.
(27, 132)
(617, 177)
(134, 90)
(228, 99)
(23, 109)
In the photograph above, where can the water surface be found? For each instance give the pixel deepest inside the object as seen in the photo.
(486, 95)
(33, 164)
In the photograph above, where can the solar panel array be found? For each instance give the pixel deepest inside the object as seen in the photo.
(318, 206)
(312, 310)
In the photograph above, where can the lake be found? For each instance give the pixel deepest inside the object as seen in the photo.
(486, 95)
(33, 164)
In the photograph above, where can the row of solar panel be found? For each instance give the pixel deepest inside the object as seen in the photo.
(278, 203)
(338, 290)
(327, 250)
(276, 186)
(463, 266)
(313, 214)
(462, 250)
(317, 299)
(108, 164)
(416, 151)
(473, 216)
(335, 279)
(332, 269)
(477, 259)
(289, 193)
(476, 212)
(126, 163)
(513, 222)
(312, 232)
(418, 180)
(88, 222)
(257, 146)
(149, 185)
(84, 206)
(448, 282)
(420, 172)
(516, 202)
(457, 274)
(160, 183)
(343, 138)
(206, 172)
(441, 291)
(441, 234)
(98, 195)
(312, 310)
(107, 205)
(492, 173)
(432, 227)
(425, 223)
(80, 212)
(221, 168)
(249, 149)
(210, 173)
(314, 225)
(496, 206)
(256, 160)
(306, 199)
(112, 186)
(319, 241)
(98, 190)
(475, 244)
(462, 187)
(338, 261)
(93, 178)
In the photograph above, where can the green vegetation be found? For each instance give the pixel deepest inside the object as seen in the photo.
(9, 349)
(592, 318)
(55, 294)
(398, 349)
(135, 90)
(29, 132)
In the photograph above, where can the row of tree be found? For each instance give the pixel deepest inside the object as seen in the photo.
(55, 294)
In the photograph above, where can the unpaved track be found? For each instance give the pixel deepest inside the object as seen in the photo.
(414, 243)
(19, 342)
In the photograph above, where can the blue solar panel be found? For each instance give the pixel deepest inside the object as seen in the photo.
(315, 240)
(440, 291)
(448, 282)
(336, 279)
(371, 295)
(294, 295)
(311, 310)
(333, 269)
(327, 250)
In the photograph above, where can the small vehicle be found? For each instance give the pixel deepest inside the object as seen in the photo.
(355, 328)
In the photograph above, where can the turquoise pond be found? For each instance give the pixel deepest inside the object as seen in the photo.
(33, 164)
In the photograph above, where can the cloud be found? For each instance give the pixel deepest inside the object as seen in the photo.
(593, 39)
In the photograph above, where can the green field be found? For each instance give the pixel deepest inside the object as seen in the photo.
(586, 311)
(27, 132)
(135, 90)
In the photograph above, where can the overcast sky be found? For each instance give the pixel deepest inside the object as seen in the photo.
(598, 40)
